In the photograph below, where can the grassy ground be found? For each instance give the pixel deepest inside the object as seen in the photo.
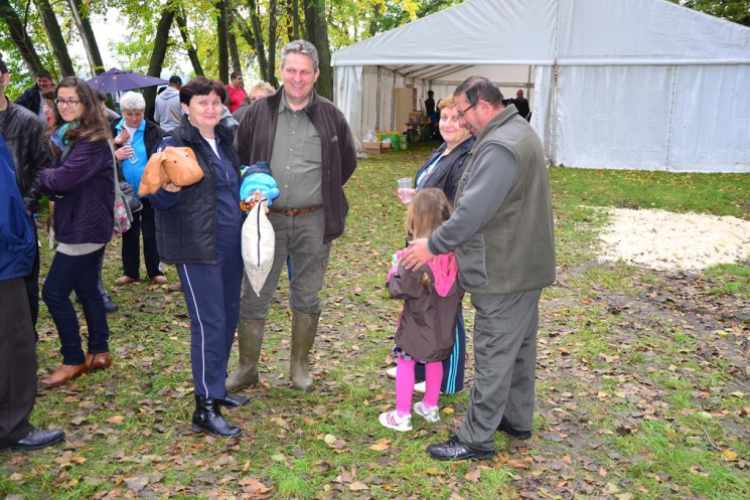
(642, 377)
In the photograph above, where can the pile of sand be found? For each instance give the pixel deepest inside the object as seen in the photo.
(668, 241)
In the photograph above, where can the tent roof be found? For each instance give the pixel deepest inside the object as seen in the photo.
(538, 32)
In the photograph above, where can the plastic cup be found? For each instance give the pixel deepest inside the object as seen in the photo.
(405, 182)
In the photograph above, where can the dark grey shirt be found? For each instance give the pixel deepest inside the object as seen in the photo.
(296, 161)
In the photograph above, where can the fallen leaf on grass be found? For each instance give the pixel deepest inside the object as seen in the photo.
(729, 455)
(474, 475)
(357, 486)
(329, 439)
(381, 445)
(117, 419)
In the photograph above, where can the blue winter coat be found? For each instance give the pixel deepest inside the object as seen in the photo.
(16, 232)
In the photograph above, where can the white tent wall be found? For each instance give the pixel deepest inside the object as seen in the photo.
(642, 84)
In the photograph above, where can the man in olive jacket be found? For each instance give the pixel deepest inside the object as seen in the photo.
(502, 232)
(311, 151)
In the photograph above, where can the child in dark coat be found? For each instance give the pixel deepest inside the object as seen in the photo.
(432, 296)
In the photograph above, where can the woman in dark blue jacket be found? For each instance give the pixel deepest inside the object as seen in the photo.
(198, 229)
(443, 170)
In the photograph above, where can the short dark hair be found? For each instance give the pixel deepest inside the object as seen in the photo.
(43, 73)
(3, 66)
(478, 87)
(48, 94)
(201, 85)
(235, 74)
(100, 95)
(175, 80)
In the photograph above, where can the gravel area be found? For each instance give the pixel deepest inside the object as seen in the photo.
(668, 241)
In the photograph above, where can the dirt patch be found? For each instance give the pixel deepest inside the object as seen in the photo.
(669, 241)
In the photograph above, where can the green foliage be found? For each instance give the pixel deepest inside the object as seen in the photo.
(737, 11)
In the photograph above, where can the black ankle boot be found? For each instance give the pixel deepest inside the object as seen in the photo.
(208, 418)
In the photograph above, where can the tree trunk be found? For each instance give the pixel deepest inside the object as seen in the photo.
(56, 40)
(221, 31)
(20, 38)
(317, 34)
(233, 50)
(295, 19)
(81, 16)
(259, 46)
(377, 10)
(273, 22)
(192, 53)
(159, 52)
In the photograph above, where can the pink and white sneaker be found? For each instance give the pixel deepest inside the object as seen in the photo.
(429, 414)
(391, 420)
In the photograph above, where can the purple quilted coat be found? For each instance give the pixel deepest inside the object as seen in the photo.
(83, 188)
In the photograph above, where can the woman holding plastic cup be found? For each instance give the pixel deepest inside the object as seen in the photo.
(443, 170)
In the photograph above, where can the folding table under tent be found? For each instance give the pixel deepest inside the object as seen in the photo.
(638, 84)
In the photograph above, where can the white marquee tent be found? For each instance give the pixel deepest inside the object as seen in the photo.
(640, 84)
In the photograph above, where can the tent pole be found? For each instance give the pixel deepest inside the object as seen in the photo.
(393, 103)
(377, 102)
(554, 114)
(671, 117)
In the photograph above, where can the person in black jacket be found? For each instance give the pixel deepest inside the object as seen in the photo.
(443, 170)
(24, 135)
(135, 139)
(31, 99)
(198, 229)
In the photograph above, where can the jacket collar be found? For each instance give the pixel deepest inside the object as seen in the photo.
(191, 134)
(498, 121)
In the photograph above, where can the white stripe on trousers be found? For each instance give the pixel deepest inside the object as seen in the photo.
(203, 336)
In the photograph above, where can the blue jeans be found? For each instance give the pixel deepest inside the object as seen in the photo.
(79, 273)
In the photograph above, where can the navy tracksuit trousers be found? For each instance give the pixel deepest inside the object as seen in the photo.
(212, 296)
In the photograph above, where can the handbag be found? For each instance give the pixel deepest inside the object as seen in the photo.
(123, 215)
(134, 202)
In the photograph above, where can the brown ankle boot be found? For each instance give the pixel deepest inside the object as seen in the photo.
(63, 374)
(304, 328)
(98, 361)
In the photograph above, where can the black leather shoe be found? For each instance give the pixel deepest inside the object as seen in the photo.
(208, 418)
(454, 449)
(520, 435)
(38, 439)
(109, 306)
(232, 401)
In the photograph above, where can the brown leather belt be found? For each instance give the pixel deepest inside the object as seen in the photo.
(293, 212)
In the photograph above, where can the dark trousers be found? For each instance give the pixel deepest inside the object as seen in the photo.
(79, 273)
(17, 363)
(212, 296)
(453, 367)
(505, 329)
(32, 282)
(143, 223)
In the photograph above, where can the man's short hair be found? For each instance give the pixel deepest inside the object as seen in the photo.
(300, 47)
(478, 87)
(3, 66)
(43, 73)
(235, 74)
(175, 80)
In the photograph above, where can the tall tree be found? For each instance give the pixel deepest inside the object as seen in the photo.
(295, 19)
(158, 53)
(56, 40)
(272, 24)
(222, 35)
(81, 16)
(20, 38)
(192, 54)
(233, 50)
(731, 10)
(317, 34)
(266, 73)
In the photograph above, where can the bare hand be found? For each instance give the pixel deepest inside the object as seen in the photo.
(123, 153)
(123, 136)
(170, 188)
(417, 255)
(405, 195)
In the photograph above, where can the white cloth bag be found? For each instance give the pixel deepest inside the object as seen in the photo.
(258, 246)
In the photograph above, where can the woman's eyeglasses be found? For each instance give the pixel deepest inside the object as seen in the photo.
(62, 102)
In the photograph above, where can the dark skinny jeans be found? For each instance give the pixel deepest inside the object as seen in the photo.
(79, 273)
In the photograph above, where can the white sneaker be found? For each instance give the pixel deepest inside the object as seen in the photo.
(391, 372)
(431, 415)
(391, 420)
(420, 387)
